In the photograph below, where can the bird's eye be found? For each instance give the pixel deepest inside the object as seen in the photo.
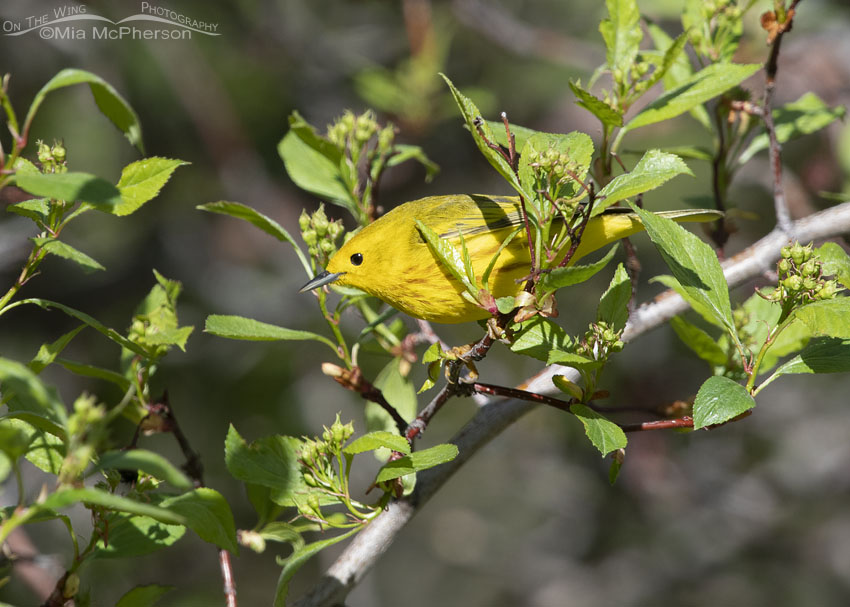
(357, 259)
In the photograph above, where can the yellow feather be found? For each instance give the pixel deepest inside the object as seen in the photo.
(397, 265)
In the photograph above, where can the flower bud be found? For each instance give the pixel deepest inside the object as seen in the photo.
(58, 151)
(304, 220)
(310, 237)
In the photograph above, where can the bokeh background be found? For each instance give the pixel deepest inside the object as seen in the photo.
(755, 513)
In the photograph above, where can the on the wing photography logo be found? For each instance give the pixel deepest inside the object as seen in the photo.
(75, 22)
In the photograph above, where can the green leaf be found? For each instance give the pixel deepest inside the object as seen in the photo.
(571, 359)
(271, 461)
(315, 171)
(672, 55)
(278, 531)
(298, 558)
(47, 353)
(239, 327)
(377, 440)
(36, 209)
(208, 514)
(622, 34)
(14, 438)
(474, 121)
(570, 275)
(96, 325)
(802, 117)
(614, 305)
(44, 448)
(23, 390)
(654, 169)
(538, 336)
(141, 181)
(110, 103)
(252, 216)
(761, 316)
(693, 263)
(136, 536)
(699, 342)
(606, 114)
(89, 495)
(66, 251)
(417, 461)
(835, 262)
(830, 318)
(450, 257)
(671, 283)
(95, 372)
(72, 187)
(603, 433)
(719, 400)
(144, 596)
(821, 355)
(144, 461)
(706, 84)
(679, 71)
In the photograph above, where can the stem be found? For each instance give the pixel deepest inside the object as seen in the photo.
(342, 348)
(753, 372)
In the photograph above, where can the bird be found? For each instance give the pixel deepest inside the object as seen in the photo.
(390, 259)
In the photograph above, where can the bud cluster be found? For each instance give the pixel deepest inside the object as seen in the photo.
(352, 132)
(52, 159)
(801, 278)
(317, 459)
(600, 341)
(86, 428)
(320, 234)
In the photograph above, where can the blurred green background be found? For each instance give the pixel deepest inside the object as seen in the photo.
(756, 513)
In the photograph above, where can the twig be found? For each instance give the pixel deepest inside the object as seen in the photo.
(362, 553)
(353, 380)
(783, 215)
(227, 576)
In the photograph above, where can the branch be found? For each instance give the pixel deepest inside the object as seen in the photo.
(362, 553)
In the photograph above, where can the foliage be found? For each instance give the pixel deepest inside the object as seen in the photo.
(301, 487)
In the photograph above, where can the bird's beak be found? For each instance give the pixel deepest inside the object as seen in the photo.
(320, 280)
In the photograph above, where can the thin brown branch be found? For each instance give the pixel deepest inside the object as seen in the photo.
(227, 577)
(353, 380)
(783, 215)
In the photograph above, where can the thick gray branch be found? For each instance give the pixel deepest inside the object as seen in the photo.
(362, 553)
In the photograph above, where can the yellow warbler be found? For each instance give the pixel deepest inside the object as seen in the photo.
(390, 260)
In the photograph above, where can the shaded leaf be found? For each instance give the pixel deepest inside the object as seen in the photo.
(802, 117)
(699, 342)
(72, 187)
(144, 461)
(89, 495)
(208, 514)
(23, 390)
(144, 596)
(614, 304)
(108, 100)
(821, 355)
(136, 536)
